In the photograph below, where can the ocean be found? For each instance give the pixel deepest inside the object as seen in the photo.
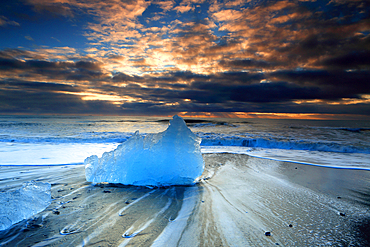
(64, 140)
(239, 200)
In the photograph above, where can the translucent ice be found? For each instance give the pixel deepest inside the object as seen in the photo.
(171, 157)
(32, 198)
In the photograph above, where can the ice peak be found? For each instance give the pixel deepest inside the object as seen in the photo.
(171, 157)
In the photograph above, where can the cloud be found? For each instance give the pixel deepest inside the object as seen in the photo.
(51, 70)
(28, 38)
(221, 92)
(183, 8)
(269, 34)
(226, 91)
(165, 5)
(55, 39)
(199, 56)
(51, 103)
(54, 7)
(29, 65)
(255, 93)
(6, 22)
(352, 60)
(34, 97)
(247, 64)
(228, 15)
(37, 86)
(334, 84)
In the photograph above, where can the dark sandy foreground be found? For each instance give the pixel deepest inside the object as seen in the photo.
(242, 201)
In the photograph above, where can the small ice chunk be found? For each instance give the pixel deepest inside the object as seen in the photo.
(32, 198)
(172, 157)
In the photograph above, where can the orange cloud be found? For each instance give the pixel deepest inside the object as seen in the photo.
(183, 8)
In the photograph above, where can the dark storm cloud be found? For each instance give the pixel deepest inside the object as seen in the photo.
(122, 77)
(330, 48)
(220, 88)
(262, 92)
(24, 96)
(352, 60)
(237, 77)
(37, 86)
(44, 100)
(213, 88)
(80, 70)
(19, 53)
(187, 75)
(333, 84)
(281, 107)
(282, 86)
(12, 64)
(87, 65)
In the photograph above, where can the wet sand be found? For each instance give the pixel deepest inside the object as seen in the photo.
(240, 201)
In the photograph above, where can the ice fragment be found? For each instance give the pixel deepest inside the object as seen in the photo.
(172, 157)
(32, 198)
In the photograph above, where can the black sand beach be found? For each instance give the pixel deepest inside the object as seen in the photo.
(240, 201)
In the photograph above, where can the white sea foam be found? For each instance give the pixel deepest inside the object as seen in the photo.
(50, 153)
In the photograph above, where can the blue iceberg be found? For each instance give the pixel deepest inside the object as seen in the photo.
(172, 157)
(32, 198)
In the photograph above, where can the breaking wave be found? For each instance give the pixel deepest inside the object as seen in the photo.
(283, 144)
(207, 140)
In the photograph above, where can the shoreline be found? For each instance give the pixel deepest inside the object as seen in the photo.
(241, 200)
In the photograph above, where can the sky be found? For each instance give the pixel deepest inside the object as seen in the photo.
(273, 59)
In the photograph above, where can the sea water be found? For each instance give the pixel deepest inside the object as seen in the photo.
(63, 140)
